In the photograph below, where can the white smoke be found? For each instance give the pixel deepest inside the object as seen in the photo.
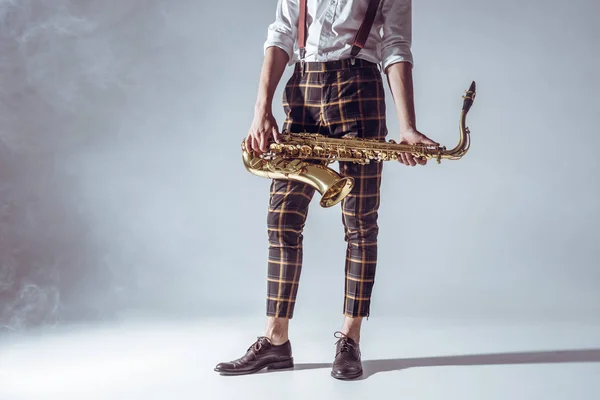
(98, 101)
(58, 60)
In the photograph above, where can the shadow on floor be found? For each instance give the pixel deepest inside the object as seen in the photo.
(371, 367)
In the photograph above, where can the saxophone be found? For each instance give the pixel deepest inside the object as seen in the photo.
(304, 157)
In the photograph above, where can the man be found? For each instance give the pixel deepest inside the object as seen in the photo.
(336, 90)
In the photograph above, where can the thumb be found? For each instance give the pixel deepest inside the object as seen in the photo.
(426, 140)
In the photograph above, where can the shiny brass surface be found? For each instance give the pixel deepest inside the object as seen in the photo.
(304, 157)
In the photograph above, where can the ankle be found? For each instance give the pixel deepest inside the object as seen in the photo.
(351, 327)
(354, 335)
(277, 340)
(277, 330)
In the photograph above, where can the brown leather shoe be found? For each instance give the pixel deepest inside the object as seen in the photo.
(262, 354)
(347, 364)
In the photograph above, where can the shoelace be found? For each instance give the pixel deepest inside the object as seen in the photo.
(256, 346)
(343, 339)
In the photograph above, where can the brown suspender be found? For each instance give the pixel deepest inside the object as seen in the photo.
(359, 40)
(365, 27)
(302, 29)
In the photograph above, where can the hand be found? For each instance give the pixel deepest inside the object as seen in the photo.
(262, 129)
(412, 136)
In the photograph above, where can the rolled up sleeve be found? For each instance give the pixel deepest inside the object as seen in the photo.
(282, 32)
(397, 32)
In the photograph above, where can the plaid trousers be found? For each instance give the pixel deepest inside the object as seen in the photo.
(336, 99)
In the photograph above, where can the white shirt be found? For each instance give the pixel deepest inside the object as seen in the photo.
(333, 24)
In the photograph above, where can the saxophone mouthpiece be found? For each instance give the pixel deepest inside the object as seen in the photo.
(469, 97)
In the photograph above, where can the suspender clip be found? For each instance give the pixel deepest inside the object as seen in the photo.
(302, 62)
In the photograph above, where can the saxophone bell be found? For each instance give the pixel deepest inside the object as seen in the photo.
(332, 186)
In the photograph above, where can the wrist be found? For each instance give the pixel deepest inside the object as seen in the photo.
(406, 122)
(263, 106)
(407, 129)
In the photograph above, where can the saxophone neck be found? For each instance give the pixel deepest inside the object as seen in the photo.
(464, 141)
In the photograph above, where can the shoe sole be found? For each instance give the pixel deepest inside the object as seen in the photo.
(347, 378)
(279, 365)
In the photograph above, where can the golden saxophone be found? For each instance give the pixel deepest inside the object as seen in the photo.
(304, 157)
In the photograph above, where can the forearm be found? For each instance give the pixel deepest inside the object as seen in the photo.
(400, 81)
(273, 66)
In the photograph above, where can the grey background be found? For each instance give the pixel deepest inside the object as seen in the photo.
(122, 191)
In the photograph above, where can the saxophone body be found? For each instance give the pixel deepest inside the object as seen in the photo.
(304, 157)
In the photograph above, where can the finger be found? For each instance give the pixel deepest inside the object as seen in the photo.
(255, 145)
(421, 161)
(264, 141)
(276, 135)
(248, 143)
(401, 158)
(405, 159)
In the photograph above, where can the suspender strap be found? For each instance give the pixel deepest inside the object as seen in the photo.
(365, 28)
(359, 40)
(302, 29)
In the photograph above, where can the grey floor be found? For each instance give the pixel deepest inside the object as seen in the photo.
(407, 359)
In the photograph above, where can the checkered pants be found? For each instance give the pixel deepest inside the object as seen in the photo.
(333, 99)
